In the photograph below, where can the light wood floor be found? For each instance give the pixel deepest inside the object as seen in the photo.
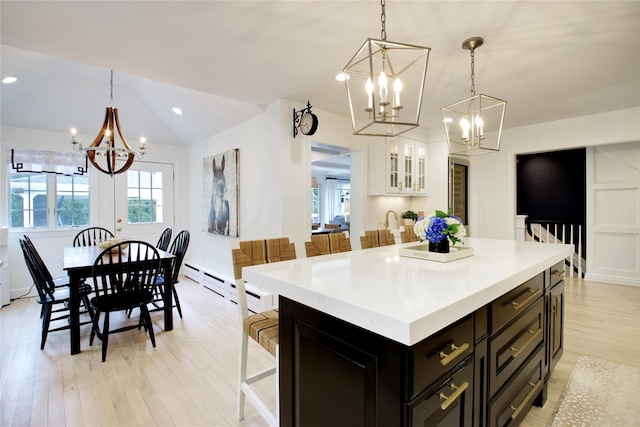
(189, 379)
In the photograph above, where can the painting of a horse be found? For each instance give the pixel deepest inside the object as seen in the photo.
(220, 195)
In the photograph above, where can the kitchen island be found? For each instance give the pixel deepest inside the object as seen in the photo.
(372, 338)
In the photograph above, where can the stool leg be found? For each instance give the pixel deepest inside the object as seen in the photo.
(242, 371)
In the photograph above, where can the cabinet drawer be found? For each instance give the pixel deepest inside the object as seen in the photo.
(449, 404)
(556, 274)
(509, 349)
(440, 353)
(508, 306)
(512, 404)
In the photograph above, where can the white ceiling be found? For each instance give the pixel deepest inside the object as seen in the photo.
(221, 62)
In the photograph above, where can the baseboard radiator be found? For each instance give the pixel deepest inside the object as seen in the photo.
(257, 299)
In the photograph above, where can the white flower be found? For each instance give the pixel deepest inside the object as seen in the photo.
(420, 228)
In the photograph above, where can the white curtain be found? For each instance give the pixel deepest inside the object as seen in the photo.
(332, 204)
(38, 161)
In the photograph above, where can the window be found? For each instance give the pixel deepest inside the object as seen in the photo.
(144, 196)
(315, 205)
(34, 194)
(72, 201)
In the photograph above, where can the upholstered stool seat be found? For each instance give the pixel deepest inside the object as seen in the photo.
(263, 328)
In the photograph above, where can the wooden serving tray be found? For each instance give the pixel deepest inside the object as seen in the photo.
(421, 251)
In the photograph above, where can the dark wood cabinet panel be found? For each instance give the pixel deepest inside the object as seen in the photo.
(510, 305)
(509, 349)
(334, 373)
(556, 324)
(449, 403)
(440, 353)
(348, 395)
(510, 405)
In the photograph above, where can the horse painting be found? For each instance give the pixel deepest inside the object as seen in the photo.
(221, 174)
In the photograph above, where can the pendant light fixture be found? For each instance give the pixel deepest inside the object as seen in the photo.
(385, 81)
(103, 152)
(474, 125)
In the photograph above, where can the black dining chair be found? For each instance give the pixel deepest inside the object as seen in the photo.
(54, 300)
(179, 249)
(92, 236)
(60, 281)
(165, 239)
(124, 275)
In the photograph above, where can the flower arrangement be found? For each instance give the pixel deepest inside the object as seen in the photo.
(438, 226)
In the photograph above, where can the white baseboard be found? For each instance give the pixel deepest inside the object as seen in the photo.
(612, 279)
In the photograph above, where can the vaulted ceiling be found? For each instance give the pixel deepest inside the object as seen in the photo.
(221, 62)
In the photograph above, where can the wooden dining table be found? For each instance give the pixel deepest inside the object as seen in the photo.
(78, 263)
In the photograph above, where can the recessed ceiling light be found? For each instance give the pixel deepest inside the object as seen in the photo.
(342, 77)
(177, 111)
(9, 79)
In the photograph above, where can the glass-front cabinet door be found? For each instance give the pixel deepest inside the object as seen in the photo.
(420, 170)
(406, 170)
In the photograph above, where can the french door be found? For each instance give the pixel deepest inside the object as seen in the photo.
(143, 198)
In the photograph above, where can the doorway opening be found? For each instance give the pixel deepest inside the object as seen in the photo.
(330, 185)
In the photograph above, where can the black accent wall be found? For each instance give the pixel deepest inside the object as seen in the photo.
(552, 186)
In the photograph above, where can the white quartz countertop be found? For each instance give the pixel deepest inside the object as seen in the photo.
(406, 299)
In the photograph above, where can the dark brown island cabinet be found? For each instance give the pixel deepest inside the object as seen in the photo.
(486, 369)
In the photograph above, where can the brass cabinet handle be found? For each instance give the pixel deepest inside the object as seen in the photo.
(534, 388)
(533, 293)
(558, 273)
(457, 351)
(457, 391)
(534, 334)
(554, 305)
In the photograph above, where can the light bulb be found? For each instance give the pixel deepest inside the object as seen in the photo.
(382, 82)
(480, 126)
(369, 88)
(464, 125)
(397, 88)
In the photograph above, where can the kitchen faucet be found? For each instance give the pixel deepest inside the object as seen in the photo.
(386, 218)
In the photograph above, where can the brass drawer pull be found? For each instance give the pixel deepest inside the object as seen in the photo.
(534, 334)
(533, 294)
(534, 389)
(457, 351)
(559, 273)
(457, 391)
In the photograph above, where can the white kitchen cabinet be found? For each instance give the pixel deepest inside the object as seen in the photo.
(398, 167)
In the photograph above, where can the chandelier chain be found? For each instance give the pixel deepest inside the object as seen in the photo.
(111, 92)
(383, 20)
(473, 74)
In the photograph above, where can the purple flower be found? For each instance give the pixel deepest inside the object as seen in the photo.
(437, 230)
